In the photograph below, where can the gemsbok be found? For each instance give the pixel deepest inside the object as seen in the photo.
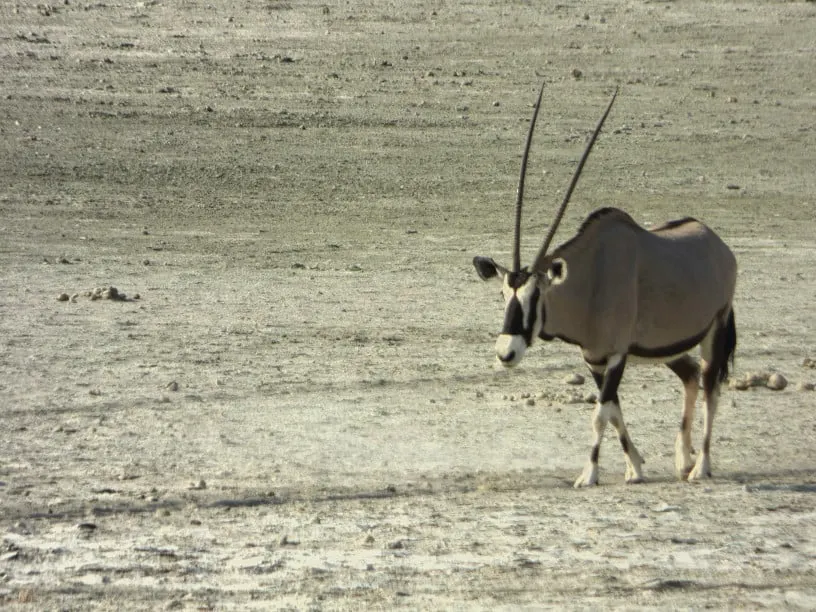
(624, 293)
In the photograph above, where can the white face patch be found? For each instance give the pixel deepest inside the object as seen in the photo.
(510, 349)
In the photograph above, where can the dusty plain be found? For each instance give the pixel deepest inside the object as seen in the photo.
(301, 410)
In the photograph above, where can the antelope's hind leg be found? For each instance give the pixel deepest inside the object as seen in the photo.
(688, 370)
(717, 350)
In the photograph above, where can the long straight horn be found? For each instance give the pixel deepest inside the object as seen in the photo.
(520, 191)
(543, 252)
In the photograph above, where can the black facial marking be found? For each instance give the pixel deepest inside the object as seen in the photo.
(517, 279)
(514, 318)
(515, 323)
(528, 332)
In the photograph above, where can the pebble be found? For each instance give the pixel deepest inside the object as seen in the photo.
(63, 297)
(666, 508)
(575, 379)
(777, 382)
(805, 386)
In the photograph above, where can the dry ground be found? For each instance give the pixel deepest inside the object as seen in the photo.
(301, 409)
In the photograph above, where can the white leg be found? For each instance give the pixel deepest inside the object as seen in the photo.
(634, 461)
(683, 462)
(702, 469)
(589, 477)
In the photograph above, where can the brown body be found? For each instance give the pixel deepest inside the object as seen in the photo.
(649, 293)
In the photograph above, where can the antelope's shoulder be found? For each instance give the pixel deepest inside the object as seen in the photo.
(606, 215)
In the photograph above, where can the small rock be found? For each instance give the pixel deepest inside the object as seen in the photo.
(577, 73)
(807, 362)
(112, 293)
(777, 382)
(63, 297)
(198, 486)
(590, 398)
(739, 384)
(172, 386)
(575, 379)
(805, 386)
(664, 507)
(530, 401)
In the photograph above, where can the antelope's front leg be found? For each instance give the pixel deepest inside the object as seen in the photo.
(589, 477)
(608, 411)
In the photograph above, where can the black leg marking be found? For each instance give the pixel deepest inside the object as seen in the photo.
(596, 453)
(598, 377)
(624, 444)
(611, 380)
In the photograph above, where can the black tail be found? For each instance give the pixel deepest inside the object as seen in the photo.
(729, 346)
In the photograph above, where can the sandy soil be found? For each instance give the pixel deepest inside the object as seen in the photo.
(301, 409)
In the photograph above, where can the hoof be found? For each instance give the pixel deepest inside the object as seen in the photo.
(683, 472)
(588, 478)
(702, 469)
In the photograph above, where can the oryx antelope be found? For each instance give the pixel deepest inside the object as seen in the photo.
(623, 293)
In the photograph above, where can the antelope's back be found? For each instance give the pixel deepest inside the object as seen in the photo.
(686, 277)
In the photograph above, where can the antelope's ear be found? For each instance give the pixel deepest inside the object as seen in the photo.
(557, 272)
(486, 268)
